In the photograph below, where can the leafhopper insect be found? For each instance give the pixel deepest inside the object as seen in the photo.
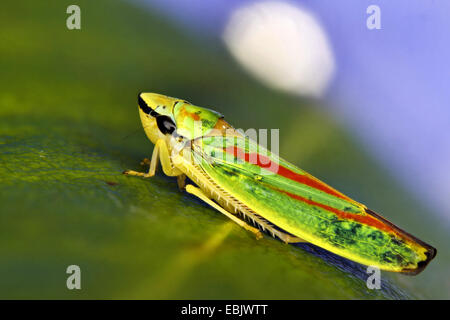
(248, 183)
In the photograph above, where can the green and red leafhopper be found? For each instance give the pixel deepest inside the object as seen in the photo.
(246, 182)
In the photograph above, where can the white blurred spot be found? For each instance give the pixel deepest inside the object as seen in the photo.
(282, 45)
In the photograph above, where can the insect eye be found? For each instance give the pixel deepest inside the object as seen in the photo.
(165, 124)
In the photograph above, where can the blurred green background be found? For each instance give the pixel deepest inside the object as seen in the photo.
(69, 126)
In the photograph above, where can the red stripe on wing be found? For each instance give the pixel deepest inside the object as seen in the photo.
(266, 163)
(364, 219)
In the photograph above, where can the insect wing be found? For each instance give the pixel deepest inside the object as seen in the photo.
(304, 206)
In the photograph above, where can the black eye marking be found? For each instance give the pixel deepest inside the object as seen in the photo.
(145, 108)
(165, 125)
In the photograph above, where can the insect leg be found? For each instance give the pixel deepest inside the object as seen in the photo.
(162, 153)
(290, 239)
(199, 193)
(181, 180)
(145, 161)
(166, 162)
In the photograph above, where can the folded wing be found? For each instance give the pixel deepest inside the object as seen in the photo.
(304, 206)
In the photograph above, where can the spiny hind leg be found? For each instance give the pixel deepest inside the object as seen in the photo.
(286, 238)
(270, 228)
(199, 193)
(162, 153)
